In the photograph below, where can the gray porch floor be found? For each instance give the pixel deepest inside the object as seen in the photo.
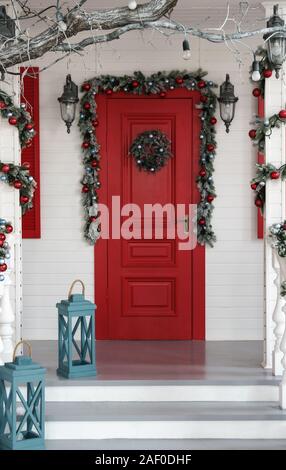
(215, 362)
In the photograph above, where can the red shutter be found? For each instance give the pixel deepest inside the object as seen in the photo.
(32, 219)
(261, 160)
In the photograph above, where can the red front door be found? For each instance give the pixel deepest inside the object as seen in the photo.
(146, 288)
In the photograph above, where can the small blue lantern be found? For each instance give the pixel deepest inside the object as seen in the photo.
(76, 353)
(22, 403)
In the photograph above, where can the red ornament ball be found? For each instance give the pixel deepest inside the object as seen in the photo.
(94, 163)
(3, 267)
(5, 168)
(210, 197)
(202, 221)
(26, 165)
(210, 147)
(17, 184)
(92, 218)
(203, 98)
(87, 105)
(267, 73)
(256, 92)
(29, 126)
(135, 84)
(86, 86)
(162, 94)
(13, 121)
(282, 114)
(203, 172)
(2, 105)
(1, 243)
(201, 84)
(213, 121)
(109, 91)
(179, 80)
(95, 122)
(252, 133)
(258, 202)
(24, 199)
(254, 186)
(275, 175)
(85, 145)
(85, 189)
(2, 237)
(284, 226)
(9, 228)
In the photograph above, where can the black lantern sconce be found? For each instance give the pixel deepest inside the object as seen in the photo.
(276, 42)
(68, 102)
(7, 25)
(227, 102)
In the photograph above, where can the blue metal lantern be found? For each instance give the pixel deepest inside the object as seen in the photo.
(22, 404)
(76, 335)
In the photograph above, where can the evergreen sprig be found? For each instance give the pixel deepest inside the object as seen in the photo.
(265, 172)
(19, 177)
(158, 84)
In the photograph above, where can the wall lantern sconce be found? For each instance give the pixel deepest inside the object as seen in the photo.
(7, 25)
(227, 102)
(276, 42)
(68, 102)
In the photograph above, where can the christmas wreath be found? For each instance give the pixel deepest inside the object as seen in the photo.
(151, 150)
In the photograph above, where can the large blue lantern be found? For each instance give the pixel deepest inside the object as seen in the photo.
(22, 404)
(76, 335)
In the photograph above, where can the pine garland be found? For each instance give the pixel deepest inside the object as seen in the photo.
(264, 129)
(5, 228)
(19, 117)
(19, 177)
(277, 235)
(157, 84)
(265, 172)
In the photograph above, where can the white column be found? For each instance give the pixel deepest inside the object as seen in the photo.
(275, 100)
(282, 387)
(7, 321)
(278, 318)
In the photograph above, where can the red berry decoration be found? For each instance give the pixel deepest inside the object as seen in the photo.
(3, 267)
(202, 221)
(109, 91)
(213, 121)
(275, 175)
(256, 92)
(29, 126)
(94, 163)
(203, 98)
(2, 237)
(24, 199)
(179, 80)
(210, 197)
(267, 73)
(282, 114)
(85, 145)
(87, 105)
(13, 121)
(17, 184)
(95, 122)
(2, 105)
(254, 186)
(135, 84)
(252, 133)
(210, 147)
(258, 202)
(9, 228)
(163, 94)
(85, 189)
(86, 86)
(201, 84)
(202, 172)
(5, 168)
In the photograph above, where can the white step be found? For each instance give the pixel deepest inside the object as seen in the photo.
(169, 420)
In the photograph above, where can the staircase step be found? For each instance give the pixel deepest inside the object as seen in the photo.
(168, 420)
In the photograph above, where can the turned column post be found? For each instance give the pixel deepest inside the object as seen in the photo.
(278, 316)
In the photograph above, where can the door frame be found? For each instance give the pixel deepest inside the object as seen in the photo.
(101, 248)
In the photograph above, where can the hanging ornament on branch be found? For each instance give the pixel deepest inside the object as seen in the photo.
(159, 84)
(265, 172)
(260, 71)
(263, 128)
(18, 176)
(151, 150)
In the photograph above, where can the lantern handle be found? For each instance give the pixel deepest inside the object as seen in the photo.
(18, 344)
(72, 286)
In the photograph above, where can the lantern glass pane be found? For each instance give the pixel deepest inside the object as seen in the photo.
(227, 111)
(276, 50)
(68, 111)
